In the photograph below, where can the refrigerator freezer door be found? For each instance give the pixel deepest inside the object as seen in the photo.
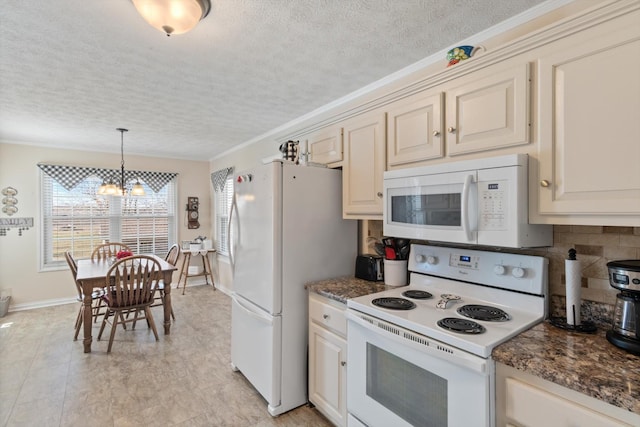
(256, 347)
(257, 269)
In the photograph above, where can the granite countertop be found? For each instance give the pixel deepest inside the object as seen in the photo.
(343, 288)
(586, 363)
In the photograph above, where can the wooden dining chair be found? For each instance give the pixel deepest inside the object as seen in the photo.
(172, 258)
(96, 296)
(108, 250)
(130, 282)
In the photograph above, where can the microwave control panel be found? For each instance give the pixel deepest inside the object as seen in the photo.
(493, 202)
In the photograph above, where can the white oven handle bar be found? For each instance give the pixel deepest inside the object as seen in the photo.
(421, 343)
(465, 206)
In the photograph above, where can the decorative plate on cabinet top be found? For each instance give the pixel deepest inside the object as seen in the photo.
(460, 53)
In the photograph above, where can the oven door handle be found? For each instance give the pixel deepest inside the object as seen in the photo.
(466, 188)
(420, 343)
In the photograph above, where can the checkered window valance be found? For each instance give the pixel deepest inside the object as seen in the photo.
(218, 178)
(70, 176)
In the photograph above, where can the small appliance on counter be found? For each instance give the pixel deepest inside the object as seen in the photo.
(625, 329)
(369, 267)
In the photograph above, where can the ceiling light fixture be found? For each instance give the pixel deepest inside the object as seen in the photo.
(110, 188)
(173, 16)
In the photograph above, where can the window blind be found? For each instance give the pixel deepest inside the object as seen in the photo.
(223, 200)
(78, 219)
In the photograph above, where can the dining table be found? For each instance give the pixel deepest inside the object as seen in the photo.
(92, 274)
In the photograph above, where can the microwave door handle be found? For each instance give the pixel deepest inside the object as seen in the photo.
(465, 206)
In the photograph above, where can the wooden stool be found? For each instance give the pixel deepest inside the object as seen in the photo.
(206, 265)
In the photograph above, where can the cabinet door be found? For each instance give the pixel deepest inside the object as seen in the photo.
(590, 124)
(490, 110)
(325, 146)
(363, 167)
(414, 130)
(328, 373)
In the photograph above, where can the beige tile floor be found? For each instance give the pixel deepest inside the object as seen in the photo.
(185, 379)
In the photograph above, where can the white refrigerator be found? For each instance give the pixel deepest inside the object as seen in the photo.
(289, 231)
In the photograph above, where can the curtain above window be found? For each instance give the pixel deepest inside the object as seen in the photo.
(70, 176)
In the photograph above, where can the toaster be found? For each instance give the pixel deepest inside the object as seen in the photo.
(369, 267)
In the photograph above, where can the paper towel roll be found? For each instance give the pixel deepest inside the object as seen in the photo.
(573, 284)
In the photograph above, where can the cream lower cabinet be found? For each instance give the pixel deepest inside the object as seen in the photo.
(525, 400)
(589, 152)
(363, 166)
(328, 358)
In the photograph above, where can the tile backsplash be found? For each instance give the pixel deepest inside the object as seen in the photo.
(594, 245)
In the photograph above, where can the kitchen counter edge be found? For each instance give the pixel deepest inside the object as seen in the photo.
(343, 288)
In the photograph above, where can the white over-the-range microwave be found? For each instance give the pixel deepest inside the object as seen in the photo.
(478, 202)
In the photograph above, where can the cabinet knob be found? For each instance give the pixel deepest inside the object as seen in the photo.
(343, 363)
(325, 316)
(544, 183)
(436, 133)
(379, 194)
(451, 129)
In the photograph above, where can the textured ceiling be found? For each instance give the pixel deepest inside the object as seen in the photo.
(72, 71)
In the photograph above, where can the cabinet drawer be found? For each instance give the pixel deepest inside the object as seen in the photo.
(328, 314)
(531, 406)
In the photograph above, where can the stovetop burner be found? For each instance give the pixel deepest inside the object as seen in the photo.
(394, 303)
(484, 312)
(461, 326)
(416, 294)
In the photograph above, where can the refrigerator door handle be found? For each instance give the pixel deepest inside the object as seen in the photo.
(259, 316)
(229, 243)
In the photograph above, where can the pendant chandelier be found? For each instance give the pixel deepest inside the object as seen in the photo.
(173, 16)
(111, 188)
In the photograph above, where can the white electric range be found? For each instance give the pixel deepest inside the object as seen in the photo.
(421, 354)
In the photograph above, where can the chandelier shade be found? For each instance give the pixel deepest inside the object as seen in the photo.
(111, 188)
(173, 16)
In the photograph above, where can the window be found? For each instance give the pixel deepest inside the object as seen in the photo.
(223, 200)
(78, 219)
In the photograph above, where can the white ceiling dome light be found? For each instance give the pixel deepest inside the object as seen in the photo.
(173, 16)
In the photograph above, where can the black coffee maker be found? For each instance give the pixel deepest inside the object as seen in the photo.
(625, 329)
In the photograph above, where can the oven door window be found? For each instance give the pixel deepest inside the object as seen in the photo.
(412, 393)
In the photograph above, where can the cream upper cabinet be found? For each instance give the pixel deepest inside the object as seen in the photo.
(414, 129)
(589, 152)
(482, 111)
(488, 109)
(325, 146)
(363, 166)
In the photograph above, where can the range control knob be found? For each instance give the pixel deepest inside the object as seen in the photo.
(431, 260)
(420, 258)
(517, 272)
(499, 270)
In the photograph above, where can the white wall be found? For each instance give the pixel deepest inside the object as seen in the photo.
(19, 255)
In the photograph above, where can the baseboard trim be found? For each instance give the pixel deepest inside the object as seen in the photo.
(62, 301)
